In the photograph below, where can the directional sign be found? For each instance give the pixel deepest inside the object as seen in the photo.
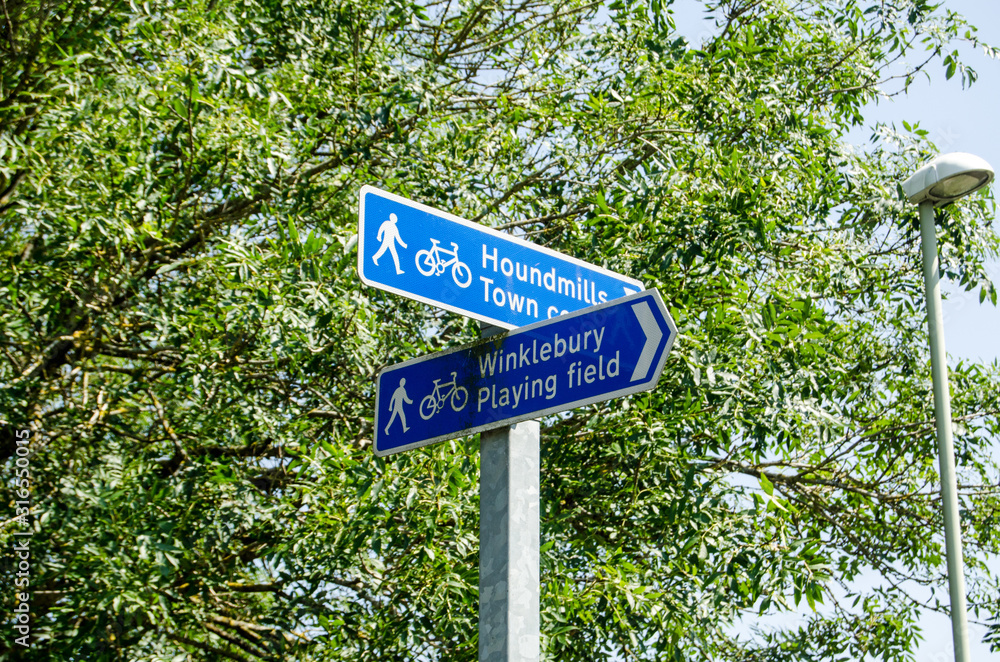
(603, 352)
(437, 258)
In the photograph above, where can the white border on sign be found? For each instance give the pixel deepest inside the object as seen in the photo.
(502, 236)
(644, 385)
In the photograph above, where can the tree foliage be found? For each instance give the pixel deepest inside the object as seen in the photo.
(184, 333)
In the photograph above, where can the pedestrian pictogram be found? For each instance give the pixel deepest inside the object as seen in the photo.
(388, 234)
(399, 396)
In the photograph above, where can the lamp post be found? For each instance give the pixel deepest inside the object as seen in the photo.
(940, 182)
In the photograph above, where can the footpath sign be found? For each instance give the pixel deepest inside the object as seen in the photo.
(446, 261)
(603, 352)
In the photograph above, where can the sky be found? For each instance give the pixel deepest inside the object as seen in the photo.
(958, 120)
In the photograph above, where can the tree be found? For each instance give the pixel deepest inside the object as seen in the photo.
(186, 338)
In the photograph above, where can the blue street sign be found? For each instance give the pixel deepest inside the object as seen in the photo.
(603, 352)
(437, 258)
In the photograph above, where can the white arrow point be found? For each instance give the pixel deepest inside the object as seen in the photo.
(653, 334)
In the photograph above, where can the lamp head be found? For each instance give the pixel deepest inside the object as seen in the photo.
(948, 178)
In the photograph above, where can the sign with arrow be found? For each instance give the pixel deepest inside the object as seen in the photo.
(437, 258)
(603, 352)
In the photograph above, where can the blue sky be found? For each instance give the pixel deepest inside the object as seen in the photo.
(958, 120)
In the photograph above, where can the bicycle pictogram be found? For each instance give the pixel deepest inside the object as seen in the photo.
(431, 262)
(433, 403)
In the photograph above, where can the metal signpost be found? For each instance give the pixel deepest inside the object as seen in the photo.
(437, 258)
(596, 354)
(509, 541)
(608, 339)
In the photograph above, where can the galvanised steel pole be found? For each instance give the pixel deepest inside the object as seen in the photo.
(946, 448)
(509, 539)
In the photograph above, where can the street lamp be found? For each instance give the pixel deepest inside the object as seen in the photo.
(942, 181)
